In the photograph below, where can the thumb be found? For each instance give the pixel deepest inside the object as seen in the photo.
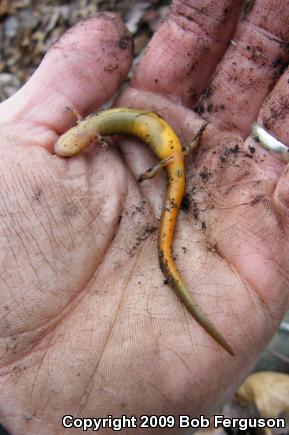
(81, 71)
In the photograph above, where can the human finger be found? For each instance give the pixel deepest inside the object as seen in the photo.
(249, 69)
(183, 54)
(81, 71)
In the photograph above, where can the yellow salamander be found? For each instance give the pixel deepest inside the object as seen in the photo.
(155, 132)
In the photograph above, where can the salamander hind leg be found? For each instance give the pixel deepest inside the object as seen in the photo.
(196, 140)
(151, 172)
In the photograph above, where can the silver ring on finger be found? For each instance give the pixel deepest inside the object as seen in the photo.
(269, 142)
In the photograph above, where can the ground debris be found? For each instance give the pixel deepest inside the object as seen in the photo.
(29, 27)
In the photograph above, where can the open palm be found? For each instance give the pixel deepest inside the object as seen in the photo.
(87, 325)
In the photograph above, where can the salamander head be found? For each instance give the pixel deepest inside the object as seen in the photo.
(74, 141)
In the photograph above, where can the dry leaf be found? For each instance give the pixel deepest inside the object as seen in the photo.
(269, 391)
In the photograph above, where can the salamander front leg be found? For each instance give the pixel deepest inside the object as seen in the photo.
(151, 172)
(74, 113)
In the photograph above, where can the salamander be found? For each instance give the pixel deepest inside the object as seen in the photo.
(153, 130)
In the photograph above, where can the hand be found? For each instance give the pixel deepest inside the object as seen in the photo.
(87, 326)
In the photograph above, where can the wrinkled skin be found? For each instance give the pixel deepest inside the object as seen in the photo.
(87, 326)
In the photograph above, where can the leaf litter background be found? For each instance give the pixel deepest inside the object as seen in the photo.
(27, 29)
